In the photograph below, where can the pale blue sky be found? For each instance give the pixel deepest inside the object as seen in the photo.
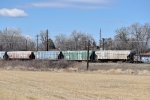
(65, 16)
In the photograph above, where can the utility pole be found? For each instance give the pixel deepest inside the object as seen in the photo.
(26, 44)
(100, 38)
(37, 43)
(103, 43)
(88, 54)
(47, 40)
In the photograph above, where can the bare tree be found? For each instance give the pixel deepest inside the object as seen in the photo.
(122, 38)
(108, 44)
(30, 44)
(146, 30)
(139, 33)
(12, 39)
(76, 38)
(60, 41)
(46, 42)
(76, 41)
(134, 37)
(43, 39)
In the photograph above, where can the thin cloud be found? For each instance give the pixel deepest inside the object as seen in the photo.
(73, 3)
(12, 12)
(88, 1)
(50, 4)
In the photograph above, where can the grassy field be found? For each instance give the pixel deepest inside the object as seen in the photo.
(29, 85)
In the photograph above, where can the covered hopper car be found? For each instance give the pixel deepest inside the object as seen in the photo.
(49, 55)
(112, 55)
(96, 56)
(76, 55)
(18, 55)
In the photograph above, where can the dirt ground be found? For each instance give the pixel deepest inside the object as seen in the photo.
(108, 66)
(31, 85)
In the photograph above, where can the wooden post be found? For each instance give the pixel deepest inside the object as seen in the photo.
(37, 43)
(88, 54)
(26, 45)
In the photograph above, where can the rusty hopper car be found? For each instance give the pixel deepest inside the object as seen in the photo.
(21, 55)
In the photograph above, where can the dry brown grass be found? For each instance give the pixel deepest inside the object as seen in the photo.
(28, 85)
(35, 65)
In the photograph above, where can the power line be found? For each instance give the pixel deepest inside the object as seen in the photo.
(128, 41)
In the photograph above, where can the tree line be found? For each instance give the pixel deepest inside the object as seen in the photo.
(12, 40)
(134, 37)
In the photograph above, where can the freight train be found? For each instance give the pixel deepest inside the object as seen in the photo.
(96, 56)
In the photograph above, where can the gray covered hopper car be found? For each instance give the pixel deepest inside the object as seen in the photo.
(2, 54)
(49, 55)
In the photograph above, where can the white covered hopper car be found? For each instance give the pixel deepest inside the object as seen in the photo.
(112, 55)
